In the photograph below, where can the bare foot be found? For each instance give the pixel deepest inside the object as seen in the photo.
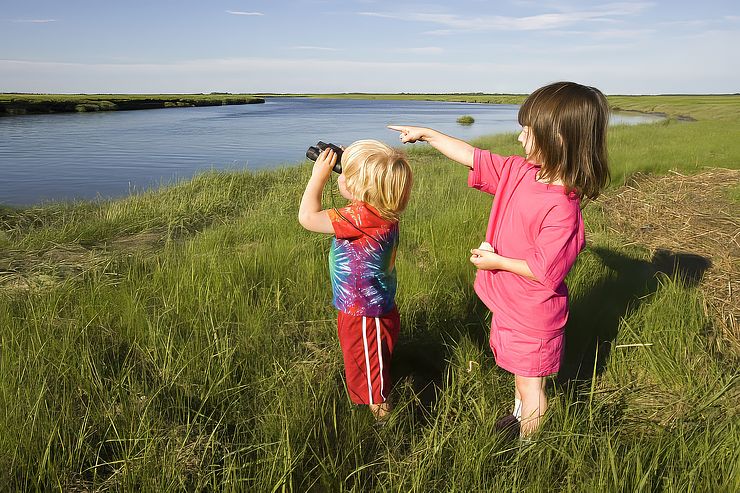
(380, 411)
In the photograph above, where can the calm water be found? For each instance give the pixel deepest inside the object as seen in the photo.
(109, 154)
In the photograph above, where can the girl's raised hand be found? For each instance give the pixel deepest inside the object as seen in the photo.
(409, 134)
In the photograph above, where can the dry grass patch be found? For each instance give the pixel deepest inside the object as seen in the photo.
(24, 270)
(690, 214)
(144, 242)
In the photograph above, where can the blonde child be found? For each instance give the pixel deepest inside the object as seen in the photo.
(376, 179)
(535, 230)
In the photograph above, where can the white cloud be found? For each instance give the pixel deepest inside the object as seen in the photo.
(314, 48)
(238, 12)
(693, 23)
(602, 13)
(34, 21)
(439, 32)
(605, 34)
(424, 50)
(297, 75)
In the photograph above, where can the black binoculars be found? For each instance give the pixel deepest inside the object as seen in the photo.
(313, 154)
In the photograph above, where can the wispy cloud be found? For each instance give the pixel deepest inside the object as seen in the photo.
(689, 24)
(439, 32)
(298, 75)
(423, 50)
(606, 34)
(239, 12)
(602, 13)
(314, 48)
(34, 21)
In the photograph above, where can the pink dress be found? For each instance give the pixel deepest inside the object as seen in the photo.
(542, 225)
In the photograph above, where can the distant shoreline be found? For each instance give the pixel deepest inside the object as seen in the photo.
(12, 104)
(678, 107)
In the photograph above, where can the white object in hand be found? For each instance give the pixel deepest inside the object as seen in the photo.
(486, 246)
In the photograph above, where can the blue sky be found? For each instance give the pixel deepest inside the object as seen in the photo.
(509, 46)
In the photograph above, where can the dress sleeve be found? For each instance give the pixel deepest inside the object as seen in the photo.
(486, 172)
(344, 222)
(555, 248)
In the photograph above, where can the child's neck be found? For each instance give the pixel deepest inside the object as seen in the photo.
(549, 182)
(533, 159)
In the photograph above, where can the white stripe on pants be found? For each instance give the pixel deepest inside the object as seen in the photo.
(380, 357)
(367, 359)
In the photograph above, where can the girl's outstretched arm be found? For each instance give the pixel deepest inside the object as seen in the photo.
(310, 214)
(455, 149)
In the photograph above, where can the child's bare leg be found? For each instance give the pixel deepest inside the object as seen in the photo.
(380, 411)
(534, 402)
(517, 410)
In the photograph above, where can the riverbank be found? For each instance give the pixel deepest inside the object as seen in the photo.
(30, 104)
(184, 339)
(681, 107)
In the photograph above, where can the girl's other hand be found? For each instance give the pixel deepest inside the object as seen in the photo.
(484, 259)
(409, 134)
(323, 165)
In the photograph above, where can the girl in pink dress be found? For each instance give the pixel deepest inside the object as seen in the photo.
(535, 230)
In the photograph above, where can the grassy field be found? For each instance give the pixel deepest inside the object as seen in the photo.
(22, 104)
(184, 339)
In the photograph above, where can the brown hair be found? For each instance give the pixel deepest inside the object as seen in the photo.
(378, 175)
(568, 123)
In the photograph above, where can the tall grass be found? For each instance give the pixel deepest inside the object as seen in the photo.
(193, 347)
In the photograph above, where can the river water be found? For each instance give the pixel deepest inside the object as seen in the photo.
(110, 154)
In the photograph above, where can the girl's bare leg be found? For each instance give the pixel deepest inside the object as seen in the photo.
(534, 402)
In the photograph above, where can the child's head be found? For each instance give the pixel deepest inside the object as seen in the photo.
(567, 122)
(378, 175)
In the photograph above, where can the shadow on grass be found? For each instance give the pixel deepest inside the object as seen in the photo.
(594, 319)
(423, 357)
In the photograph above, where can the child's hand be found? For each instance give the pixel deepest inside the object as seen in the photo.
(484, 258)
(409, 134)
(323, 165)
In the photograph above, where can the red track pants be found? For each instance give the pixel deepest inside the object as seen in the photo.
(367, 344)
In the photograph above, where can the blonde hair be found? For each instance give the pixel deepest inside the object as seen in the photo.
(378, 175)
(568, 122)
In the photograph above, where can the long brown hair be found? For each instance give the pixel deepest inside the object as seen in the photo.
(568, 122)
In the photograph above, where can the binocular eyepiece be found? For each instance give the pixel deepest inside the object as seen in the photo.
(313, 154)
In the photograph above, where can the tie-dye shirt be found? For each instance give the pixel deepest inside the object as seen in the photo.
(362, 260)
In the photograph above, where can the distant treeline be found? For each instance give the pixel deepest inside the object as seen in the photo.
(27, 104)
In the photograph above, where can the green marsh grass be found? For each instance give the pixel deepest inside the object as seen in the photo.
(189, 344)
